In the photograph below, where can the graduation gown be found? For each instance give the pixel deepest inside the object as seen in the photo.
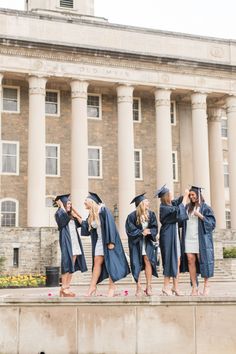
(115, 264)
(169, 216)
(205, 266)
(67, 265)
(135, 242)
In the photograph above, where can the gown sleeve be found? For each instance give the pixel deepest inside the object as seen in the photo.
(132, 231)
(153, 226)
(209, 220)
(85, 228)
(173, 213)
(110, 226)
(62, 218)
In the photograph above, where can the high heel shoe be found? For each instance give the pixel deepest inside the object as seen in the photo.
(92, 292)
(64, 292)
(176, 292)
(194, 292)
(205, 291)
(139, 291)
(148, 290)
(166, 292)
(111, 292)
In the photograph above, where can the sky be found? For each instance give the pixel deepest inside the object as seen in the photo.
(213, 18)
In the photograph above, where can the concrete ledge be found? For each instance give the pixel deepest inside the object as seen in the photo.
(118, 325)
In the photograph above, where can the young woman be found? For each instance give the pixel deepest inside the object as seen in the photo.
(171, 213)
(72, 255)
(141, 228)
(198, 240)
(109, 259)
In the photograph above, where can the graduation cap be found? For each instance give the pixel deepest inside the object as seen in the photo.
(138, 199)
(160, 192)
(95, 197)
(196, 190)
(64, 198)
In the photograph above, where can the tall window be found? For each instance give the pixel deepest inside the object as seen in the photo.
(10, 158)
(95, 162)
(52, 160)
(138, 164)
(16, 257)
(175, 166)
(226, 175)
(11, 99)
(136, 109)
(94, 106)
(68, 4)
(228, 219)
(9, 211)
(52, 103)
(173, 112)
(224, 127)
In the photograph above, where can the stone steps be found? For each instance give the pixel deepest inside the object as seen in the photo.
(220, 274)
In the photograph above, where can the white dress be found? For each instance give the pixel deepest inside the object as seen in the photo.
(76, 250)
(144, 226)
(191, 238)
(99, 250)
(178, 241)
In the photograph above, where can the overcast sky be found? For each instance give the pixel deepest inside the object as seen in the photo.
(205, 17)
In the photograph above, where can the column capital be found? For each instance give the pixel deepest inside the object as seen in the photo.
(198, 100)
(124, 93)
(230, 104)
(79, 89)
(162, 97)
(215, 114)
(37, 85)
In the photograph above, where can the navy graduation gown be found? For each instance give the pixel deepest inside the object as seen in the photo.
(67, 266)
(135, 241)
(115, 264)
(169, 216)
(205, 266)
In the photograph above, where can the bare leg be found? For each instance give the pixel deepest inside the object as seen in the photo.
(98, 261)
(175, 289)
(148, 274)
(206, 287)
(193, 272)
(139, 286)
(112, 288)
(165, 289)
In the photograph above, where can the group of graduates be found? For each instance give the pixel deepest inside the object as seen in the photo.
(185, 240)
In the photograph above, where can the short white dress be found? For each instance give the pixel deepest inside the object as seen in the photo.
(76, 250)
(178, 241)
(144, 226)
(99, 250)
(191, 238)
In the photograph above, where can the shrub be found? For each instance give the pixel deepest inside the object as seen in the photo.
(21, 281)
(229, 252)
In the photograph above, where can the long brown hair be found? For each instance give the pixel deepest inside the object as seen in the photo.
(141, 213)
(165, 199)
(191, 205)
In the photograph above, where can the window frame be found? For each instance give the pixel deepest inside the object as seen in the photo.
(139, 110)
(175, 153)
(17, 210)
(225, 163)
(172, 102)
(100, 164)
(66, 8)
(140, 165)
(227, 210)
(99, 95)
(17, 143)
(58, 160)
(226, 120)
(18, 99)
(58, 114)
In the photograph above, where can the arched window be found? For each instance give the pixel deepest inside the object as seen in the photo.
(9, 212)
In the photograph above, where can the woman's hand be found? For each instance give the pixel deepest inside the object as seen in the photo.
(76, 215)
(110, 246)
(146, 232)
(198, 214)
(60, 204)
(185, 198)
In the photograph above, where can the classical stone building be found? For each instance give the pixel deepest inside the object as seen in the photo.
(119, 110)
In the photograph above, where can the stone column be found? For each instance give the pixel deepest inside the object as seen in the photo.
(79, 143)
(36, 153)
(163, 139)
(125, 153)
(231, 114)
(1, 77)
(201, 175)
(216, 166)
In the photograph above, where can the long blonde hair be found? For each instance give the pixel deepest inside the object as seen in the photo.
(141, 213)
(93, 213)
(165, 199)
